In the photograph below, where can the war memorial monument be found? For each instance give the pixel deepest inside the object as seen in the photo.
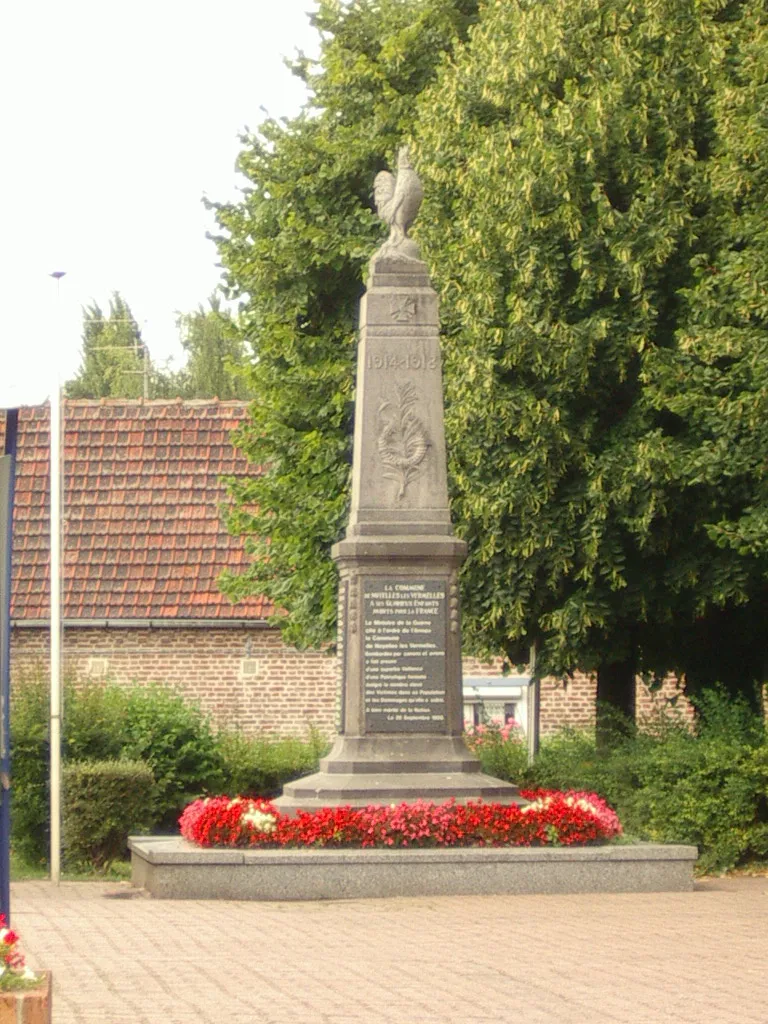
(401, 721)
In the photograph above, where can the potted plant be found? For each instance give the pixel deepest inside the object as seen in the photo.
(25, 997)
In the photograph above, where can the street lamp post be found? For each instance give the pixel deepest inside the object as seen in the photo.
(7, 476)
(56, 469)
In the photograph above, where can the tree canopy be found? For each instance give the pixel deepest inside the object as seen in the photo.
(594, 178)
(116, 362)
(712, 387)
(114, 357)
(215, 354)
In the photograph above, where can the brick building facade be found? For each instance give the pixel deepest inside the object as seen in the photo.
(143, 546)
(245, 677)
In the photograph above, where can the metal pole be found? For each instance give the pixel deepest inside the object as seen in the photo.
(534, 709)
(56, 468)
(7, 478)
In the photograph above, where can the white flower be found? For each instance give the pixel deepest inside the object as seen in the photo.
(28, 974)
(582, 804)
(3, 933)
(537, 805)
(259, 820)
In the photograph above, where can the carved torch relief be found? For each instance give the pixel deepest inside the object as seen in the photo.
(402, 437)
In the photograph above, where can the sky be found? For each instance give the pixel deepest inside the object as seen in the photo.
(117, 118)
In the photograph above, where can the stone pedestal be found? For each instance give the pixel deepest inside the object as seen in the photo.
(399, 613)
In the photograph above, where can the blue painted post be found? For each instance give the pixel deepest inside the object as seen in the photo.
(7, 480)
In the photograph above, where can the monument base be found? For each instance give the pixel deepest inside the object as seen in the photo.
(391, 768)
(168, 867)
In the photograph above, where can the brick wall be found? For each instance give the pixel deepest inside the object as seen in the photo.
(242, 677)
(247, 678)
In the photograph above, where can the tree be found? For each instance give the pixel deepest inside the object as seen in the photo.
(216, 354)
(113, 354)
(713, 386)
(295, 249)
(576, 168)
(568, 154)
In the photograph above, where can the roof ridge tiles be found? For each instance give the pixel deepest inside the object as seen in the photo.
(191, 403)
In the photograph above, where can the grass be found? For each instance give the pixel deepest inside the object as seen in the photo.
(23, 871)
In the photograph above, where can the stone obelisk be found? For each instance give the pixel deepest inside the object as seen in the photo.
(401, 715)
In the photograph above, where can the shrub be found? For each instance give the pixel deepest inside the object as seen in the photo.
(502, 751)
(30, 753)
(260, 766)
(92, 725)
(176, 740)
(571, 760)
(103, 802)
(106, 722)
(707, 786)
(94, 720)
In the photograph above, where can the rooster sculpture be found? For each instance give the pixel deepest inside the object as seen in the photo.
(398, 199)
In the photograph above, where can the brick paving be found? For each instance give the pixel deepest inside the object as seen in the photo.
(118, 956)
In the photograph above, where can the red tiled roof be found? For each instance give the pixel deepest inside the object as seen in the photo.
(144, 537)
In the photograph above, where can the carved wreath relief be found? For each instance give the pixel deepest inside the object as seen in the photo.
(402, 438)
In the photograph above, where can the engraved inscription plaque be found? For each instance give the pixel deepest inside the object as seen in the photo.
(404, 624)
(341, 652)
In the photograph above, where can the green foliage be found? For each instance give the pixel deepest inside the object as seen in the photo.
(94, 715)
(593, 219)
(260, 766)
(102, 803)
(715, 382)
(176, 740)
(500, 758)
(562, 154)
(30, 758)
(713, 385)
(707, 787)
(294, 249)
(215, 354)
(92, 724)
(113, 354)
(710, 791)
(116, 363)
(594, 182)
(102, 723)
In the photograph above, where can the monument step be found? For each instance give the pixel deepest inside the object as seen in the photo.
(360, 790)
(420, 767)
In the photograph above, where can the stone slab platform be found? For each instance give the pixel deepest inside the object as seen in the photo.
(172, 868)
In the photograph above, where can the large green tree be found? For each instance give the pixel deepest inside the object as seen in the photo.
(580, 181)
(114, 357)
(570, 154)
(296, 248)
(711, 389)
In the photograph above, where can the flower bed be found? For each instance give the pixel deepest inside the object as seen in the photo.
(550, 819)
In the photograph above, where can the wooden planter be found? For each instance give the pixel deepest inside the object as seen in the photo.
(29, 1005)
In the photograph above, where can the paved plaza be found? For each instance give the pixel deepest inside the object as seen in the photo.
(120, 957)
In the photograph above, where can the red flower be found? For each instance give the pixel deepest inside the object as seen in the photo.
(550, 817)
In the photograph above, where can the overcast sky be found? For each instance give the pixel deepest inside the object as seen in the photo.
(116, 119)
